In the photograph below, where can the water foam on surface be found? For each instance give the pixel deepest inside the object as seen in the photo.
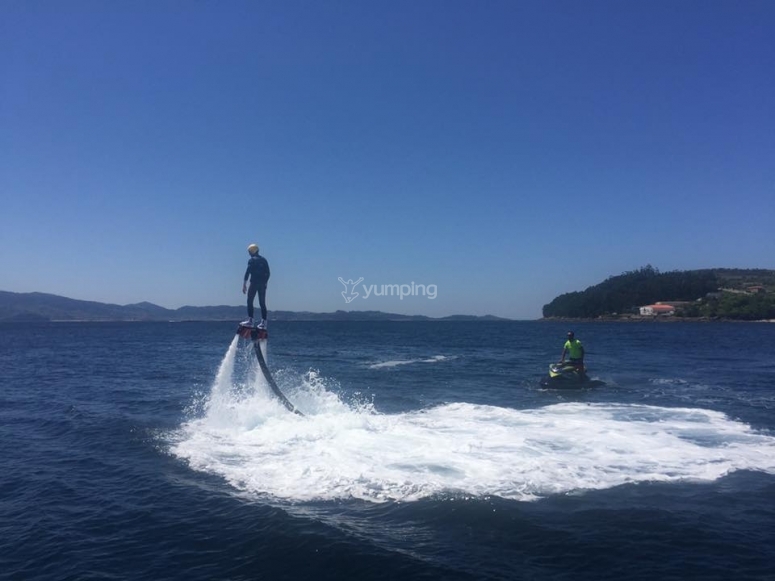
(346, 450)
(470, 449)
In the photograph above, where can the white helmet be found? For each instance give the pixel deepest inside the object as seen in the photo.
(253, 249)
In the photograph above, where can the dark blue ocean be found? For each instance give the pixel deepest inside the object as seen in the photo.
(427, 451)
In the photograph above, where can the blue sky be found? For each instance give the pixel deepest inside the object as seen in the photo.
(506, 152)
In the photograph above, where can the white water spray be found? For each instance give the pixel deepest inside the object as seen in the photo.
(340, 451)
(226, 369)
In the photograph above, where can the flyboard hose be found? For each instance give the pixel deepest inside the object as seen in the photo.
(257, 335)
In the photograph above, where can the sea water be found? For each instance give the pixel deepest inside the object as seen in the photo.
(427, 450)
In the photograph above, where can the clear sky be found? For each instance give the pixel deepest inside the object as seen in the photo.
(505, 151)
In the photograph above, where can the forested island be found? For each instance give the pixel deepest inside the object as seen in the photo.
(718, 293)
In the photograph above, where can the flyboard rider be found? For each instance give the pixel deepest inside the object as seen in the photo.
(258, 272)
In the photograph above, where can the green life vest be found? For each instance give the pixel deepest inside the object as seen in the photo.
(575, 350)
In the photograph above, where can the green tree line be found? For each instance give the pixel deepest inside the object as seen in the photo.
(625, 292)
(734, 306)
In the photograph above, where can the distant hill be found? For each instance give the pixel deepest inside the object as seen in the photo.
(745, 294)
(38, 307)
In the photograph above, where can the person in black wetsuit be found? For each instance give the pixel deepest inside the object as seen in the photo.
(258, 271)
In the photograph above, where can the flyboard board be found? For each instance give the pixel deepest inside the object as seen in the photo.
(257, 336)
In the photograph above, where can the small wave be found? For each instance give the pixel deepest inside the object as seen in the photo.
(396, 363)
(669, 381)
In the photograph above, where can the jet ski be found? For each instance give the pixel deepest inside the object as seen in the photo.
(567, 375)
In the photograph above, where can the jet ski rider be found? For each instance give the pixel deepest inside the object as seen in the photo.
(575, 350)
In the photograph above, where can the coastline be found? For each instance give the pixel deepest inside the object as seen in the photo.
(651, 319)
